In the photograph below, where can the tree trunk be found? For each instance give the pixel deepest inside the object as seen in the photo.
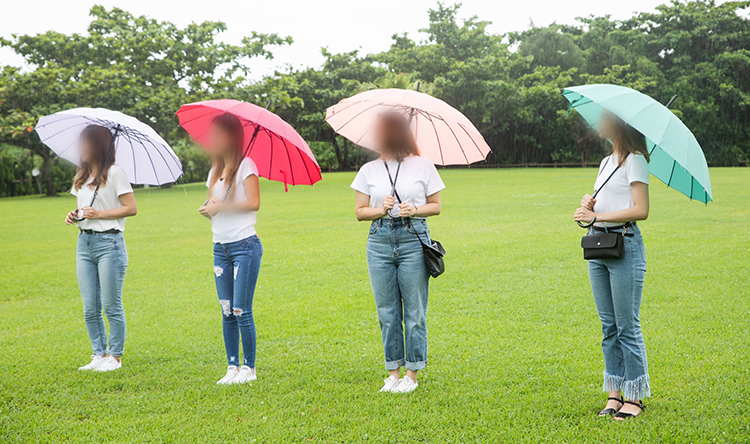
(346, 155)
(337, 150)
(49, 181)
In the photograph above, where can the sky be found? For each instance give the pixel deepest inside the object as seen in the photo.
(339, 25)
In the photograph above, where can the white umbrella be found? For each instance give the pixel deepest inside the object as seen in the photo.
(141, 152)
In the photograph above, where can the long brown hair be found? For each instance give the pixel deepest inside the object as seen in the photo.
(398, 140)
(631, 141)
(232, 125)
(99, 140)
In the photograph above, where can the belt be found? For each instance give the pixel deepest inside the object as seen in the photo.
(111, 231)
(618, 227)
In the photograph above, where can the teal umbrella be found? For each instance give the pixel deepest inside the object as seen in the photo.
(676, 157)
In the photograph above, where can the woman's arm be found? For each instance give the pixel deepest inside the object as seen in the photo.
(639, 210)
(364, 212)
(431, 208)
(252, 191)
(127, 209)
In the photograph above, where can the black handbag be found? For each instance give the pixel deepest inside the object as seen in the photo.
(602, 245)
(434, 251)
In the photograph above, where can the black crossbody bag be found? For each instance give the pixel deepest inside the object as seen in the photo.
(433, 251)
(603, 245)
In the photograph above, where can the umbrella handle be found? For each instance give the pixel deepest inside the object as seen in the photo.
(588, 225)
(76, 218)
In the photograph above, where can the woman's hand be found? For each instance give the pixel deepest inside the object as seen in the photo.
(211, 208)
(388, 203)
(88, 213)
(584, 215)
(406, 210)
(70, 219)
(588, 202)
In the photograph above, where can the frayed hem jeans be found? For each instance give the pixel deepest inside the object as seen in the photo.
(617, 285)
(400, 281)
(236, 268)
(101, 262)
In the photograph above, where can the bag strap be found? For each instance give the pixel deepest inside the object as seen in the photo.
(605, 182)
(395, 194)
(596, 192)
(393, 180)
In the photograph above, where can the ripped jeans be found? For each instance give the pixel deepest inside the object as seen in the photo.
(236, 268)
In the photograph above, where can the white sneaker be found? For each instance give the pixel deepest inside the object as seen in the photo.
(389, 384)
(108, 364)
(405, 385)
(245, 375)
(96, 361)
(231, 374)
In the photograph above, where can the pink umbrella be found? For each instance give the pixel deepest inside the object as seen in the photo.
(279, 152)
(443, 134)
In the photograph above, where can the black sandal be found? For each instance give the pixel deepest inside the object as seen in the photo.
(611, 411)
(625, 416)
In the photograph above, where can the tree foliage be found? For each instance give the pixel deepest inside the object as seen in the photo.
(508, 85)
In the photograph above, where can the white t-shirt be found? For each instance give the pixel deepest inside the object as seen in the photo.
(108, 198)
(417, 179)
(233, 226)
(617, 194)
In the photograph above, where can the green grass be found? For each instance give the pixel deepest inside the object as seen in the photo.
(514, 335)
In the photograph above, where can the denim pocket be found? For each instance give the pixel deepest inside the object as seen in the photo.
(418, 226)
(374, 227)
(104, 237)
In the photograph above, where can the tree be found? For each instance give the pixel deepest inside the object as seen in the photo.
(142, 66)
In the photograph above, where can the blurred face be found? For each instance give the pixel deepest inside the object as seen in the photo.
(221, 141)
(388, 138)
(86, 150)
(609, 127)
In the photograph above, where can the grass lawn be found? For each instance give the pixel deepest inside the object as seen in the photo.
(514, 335)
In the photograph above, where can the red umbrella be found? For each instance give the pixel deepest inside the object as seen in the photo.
(279, 152)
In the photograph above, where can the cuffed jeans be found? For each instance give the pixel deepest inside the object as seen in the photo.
(236, 268)
(617, 285)
(101, 262)
(400, 280)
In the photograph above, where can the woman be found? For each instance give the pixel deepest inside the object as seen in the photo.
(617, 284)
(101, 257)
(398, 192)
(233, 201)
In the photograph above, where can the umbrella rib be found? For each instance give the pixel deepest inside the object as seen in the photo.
(151, 161)
(132, 151)
(437, 138)
(302, 158)
(674, 162)
(76, 116)
(202, 116)
(472, 140)
(66, 129)
(346, 107)
(692, 179)
(458, 142)
(289, 159)
(357, 115)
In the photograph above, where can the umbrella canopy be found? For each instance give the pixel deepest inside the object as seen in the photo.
(144, 156)
(279, 152)
(443, 134)
(676, 157)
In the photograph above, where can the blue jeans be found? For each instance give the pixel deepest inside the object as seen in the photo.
(400, 280)
(236, 268)
(101, 262)
(617, 285)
